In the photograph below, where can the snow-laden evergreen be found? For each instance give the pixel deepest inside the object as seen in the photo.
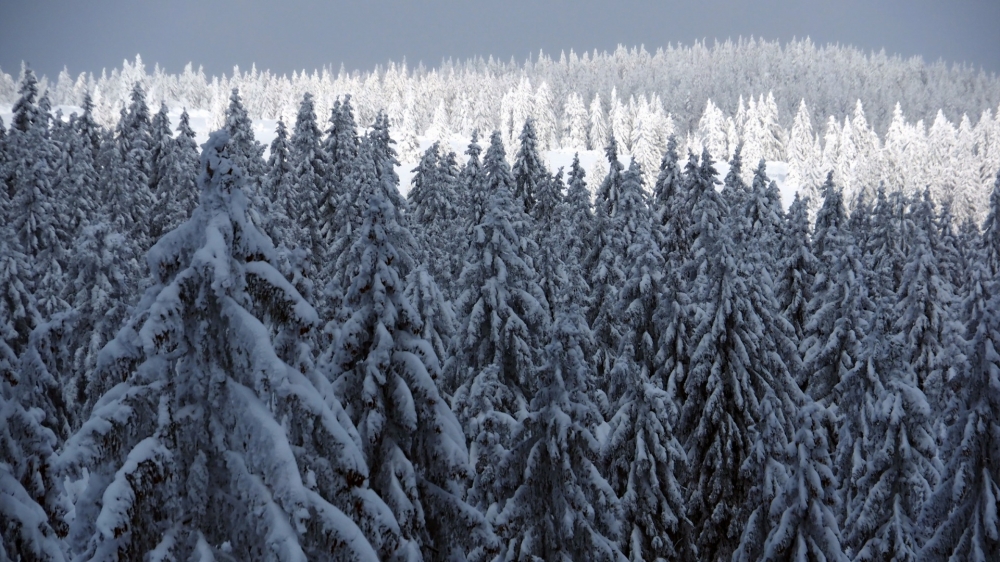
(560, 507)
(200, 423)
(502, 319)
(433, 198)
(963, 510)
(737, 394)
(840, 308)
(887, 453)
(805, 509)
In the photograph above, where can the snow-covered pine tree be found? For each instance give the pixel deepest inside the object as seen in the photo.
(699, 179)
(925, 323)
(963, 508)
(372, 171)
(472, 195)
(6, 173)
(101, 287)
(437, 315)
(803, 154)
(734, 190)
(763, 216)
(384, 373)
(605, 267)
(177, 191)
(131, 170)
(737, 395)
(31, 523)
(551, 232)
(884, 251)
(529, 172)
(76, 175)
(642, 452)
(666, 204)
(502, 319)
(574, 123)
(840, 308)
(185, 440)
(887, 454)
(246, 153)
(40, 217)
(435, 218)
(560, 507)
(309, 168)
(805, 509)
(598, 131)
(796, 268)
(950, 250)
(991, 231)
(160, 139)
(279, 189)
(341, 143)
(18, 311)
(386, 161)
(580, 212)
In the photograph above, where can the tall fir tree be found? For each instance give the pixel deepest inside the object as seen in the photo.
(887, 452)
(806, 526)
(962, 510)
(309, 168)
(529, 171)
(177, 191)
(796, 268)
(384, 372)
(559, 506)
(502, 320)
(186, 439)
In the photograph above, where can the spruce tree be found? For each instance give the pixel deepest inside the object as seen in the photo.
(963, 508)
(734, 189)
(580, 213)
(796, 268)
(186, 439)
(279, 189)
(644, 456)
(177, 191)
(246, 152)
(806, 526)
(605, 266)
(737, 393)
(668, 196)
(559, 506)
(102, 286)
(887, 452)
(78, 175)
(31, 524)
(18, 311)
(129, 170)
(529, 171)
(384, 373)
(840, 309)
(925, 325)
(340, 148)
(502, 319)
(309, 168)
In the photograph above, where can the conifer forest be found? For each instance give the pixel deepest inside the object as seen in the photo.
(216, 348)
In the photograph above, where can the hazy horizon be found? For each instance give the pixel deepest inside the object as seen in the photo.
(289, 37)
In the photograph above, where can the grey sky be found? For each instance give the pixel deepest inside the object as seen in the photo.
(285, 35)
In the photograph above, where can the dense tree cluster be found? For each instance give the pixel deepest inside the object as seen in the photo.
(870, 117)
(206, 355)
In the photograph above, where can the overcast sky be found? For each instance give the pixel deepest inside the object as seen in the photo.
(284, 35)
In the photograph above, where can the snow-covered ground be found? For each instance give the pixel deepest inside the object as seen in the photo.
(264, 131)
